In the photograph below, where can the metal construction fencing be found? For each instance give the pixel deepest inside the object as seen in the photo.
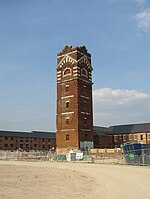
(23, 155)
(136, 153)
(52, 156)
(129, 156)
(39, 156)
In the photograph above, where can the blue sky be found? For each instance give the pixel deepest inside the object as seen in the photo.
(115, 32)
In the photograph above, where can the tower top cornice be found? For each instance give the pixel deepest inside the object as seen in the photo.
(68, 49)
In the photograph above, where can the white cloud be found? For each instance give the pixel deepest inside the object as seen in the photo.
(119, 96)
(120, 106)
(143, 20)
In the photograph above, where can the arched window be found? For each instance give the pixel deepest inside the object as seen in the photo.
(84, 72)
(67, 88)
(67, 120)
(86, 136)
(85, 120)
(67, 137)
(67, 104)
(85, 106)
(67, 71)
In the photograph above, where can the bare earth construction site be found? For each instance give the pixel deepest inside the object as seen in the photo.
(72, 180)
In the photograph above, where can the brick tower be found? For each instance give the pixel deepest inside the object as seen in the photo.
(74, 119)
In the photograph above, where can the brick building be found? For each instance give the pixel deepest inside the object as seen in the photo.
(114, 136)
(131, 133)
(101, 138)
(74, 118)
(35, 140)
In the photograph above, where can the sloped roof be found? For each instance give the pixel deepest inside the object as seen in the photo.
(145, 127)
(130, 128)
(121, 129)
(33, 134)
(97, 130)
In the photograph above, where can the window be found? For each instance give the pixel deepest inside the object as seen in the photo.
(6, 145)
(115, 138)
(67, 137)
(43, 140)
(85, 105)
(86, 136)
(6, 138)
(67, 104)
(35, 145)
(130, 137)
(124, 138)
(85, 120)
(12, 138)
(67, 88)
(67, 71)
(84, 72)
(141, 137)
(135, 136)
(67, 120)
(12, 145)
(148, 136)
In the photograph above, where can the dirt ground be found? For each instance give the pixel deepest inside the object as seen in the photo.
(49, 180)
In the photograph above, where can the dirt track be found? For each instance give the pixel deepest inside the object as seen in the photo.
(42, 180)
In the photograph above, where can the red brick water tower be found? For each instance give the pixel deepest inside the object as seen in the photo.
(74, 119)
